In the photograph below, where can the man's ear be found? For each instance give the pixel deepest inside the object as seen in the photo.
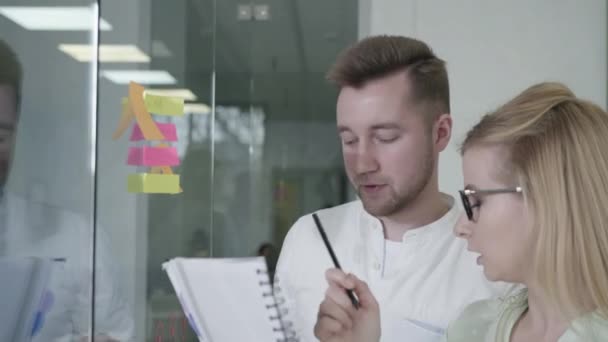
(442, 131)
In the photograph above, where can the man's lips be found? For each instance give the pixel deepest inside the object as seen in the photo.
(371, 187)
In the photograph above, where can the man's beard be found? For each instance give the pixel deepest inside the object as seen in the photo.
(397, 201)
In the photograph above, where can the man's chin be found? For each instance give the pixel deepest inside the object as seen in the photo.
(377, 209)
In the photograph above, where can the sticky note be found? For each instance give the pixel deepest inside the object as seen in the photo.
(168, 130)
(164, 105)
(144, 120)
(163, 169)
(153, 156)
(153, 183)
(125, 119)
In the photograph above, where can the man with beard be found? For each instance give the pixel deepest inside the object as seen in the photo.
(29, 229)
(393, 117)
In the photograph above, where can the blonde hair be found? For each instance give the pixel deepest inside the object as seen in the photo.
(558, 152)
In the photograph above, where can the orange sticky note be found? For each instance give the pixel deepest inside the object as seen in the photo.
(125, 119)
(143, 117)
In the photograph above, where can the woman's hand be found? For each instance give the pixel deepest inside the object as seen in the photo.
(338, 320)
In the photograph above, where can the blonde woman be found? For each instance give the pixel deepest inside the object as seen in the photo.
(536, 211)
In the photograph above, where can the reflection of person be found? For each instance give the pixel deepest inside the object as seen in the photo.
(199, 245)
(393, 120)
(266, 249)
(35, 229)
(10, 94)
(269, 252)
(536, 171)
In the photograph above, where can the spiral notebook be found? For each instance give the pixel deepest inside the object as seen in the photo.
(230, 299)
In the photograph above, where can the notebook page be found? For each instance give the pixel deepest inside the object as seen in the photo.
(230, 298)
(185, 299)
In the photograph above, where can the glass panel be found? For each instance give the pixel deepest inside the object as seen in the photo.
(258, 149)
(47, 209)
(175, 37)
(271, 86)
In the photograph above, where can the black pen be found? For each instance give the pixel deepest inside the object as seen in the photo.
(349, 292)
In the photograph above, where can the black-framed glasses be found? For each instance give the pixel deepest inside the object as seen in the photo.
(466, 204)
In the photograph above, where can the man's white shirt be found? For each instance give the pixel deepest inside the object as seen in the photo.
(421, 283)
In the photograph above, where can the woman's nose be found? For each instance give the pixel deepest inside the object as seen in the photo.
(462, 229)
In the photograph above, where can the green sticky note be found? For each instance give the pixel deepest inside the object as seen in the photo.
(150, 183)
(164, 105)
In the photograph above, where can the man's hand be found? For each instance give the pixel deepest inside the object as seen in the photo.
(338, 320)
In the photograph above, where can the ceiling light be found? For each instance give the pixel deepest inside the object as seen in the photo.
(107, 53)
(139, 76)
(196, 108)
(36, 18)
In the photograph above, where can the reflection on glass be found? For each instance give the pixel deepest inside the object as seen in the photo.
(46, 203)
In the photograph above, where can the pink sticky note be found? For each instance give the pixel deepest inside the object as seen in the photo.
(153, 156)
(167, 129)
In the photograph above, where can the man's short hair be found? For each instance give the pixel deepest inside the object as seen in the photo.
(378, 56)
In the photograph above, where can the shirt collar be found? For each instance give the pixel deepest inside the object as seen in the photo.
(422, 234)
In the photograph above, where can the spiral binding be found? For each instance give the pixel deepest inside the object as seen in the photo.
(280, 311)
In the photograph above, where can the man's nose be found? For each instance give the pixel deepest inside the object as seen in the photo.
(366, 160)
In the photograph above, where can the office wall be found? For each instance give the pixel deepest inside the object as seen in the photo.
(495, 49)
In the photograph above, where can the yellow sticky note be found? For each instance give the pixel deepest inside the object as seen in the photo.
(153, 183)
(164, 105)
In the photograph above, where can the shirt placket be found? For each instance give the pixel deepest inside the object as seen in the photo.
(376, 253)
